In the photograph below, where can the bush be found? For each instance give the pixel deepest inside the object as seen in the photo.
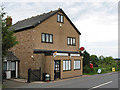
(87, 70)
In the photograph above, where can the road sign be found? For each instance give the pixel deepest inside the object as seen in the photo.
(113, 69)
(99, 71)
(82, 48)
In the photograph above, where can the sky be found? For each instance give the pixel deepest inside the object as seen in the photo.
(97, 20)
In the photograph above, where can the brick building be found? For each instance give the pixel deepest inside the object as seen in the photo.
(49, 41)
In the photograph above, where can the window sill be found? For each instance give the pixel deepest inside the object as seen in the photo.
(48, 42)
(76, 69)
(70, 45)
(66, 70)
(60, 22)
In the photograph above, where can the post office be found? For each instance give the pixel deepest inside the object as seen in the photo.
(49, 41)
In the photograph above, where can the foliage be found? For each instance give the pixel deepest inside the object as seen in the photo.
(104, 63)
(118, 64)
(8, 39)
(94, 59)
(87, 70)
(86, 59)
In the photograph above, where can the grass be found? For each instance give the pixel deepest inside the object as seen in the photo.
(104, 70)
(2, 86)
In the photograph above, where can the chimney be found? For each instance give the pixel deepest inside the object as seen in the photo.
(8, 21)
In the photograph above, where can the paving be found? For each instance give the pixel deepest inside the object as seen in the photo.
(108, 80)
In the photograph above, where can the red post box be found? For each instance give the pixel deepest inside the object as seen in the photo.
(91, 65)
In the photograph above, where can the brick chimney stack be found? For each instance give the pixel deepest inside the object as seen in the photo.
(8, 21)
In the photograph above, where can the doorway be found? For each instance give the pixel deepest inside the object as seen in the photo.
(56, 69)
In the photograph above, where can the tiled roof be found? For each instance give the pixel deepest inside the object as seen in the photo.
(11, 57)
(33, 21)
(36, 20)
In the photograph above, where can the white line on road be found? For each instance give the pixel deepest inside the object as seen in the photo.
(100, 85)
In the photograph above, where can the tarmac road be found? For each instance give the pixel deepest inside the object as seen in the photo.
(108, 80)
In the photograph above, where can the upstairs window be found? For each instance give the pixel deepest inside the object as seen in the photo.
(60, 18)
(47, 38)
(71, 41)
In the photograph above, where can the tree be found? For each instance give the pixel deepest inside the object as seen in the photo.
(101, 57)
(94, 59)
(86, 59)
(118, 63)
(8, 40)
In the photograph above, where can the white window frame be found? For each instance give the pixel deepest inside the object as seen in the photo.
(66, 65)
(71, 41)
(46, 38)
(77, 64)
(60, 18)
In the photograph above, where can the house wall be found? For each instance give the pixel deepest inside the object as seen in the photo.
(31, 39)
(60, 34)
(24, 50)
(49, 66)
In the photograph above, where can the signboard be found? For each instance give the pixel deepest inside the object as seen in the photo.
(55, 54)
(82, 49)
(113, 69)
(99, 71)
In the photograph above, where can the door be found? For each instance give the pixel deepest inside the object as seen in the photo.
(56, 69)
(13, 70)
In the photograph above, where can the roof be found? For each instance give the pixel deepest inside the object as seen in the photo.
(36, 20)
(11, 57)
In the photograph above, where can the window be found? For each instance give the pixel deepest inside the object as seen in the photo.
(66, 65)
(51, 38)
(60, 18)
(43, 37)
(5, 66)
(9, 65)
(71, 41)
(76, 64)
(47, 38)
(13, 66)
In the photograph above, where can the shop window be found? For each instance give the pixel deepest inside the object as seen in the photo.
(76, 64)
(66, 65)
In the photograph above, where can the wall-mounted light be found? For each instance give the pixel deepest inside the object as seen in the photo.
(60, 25)
(32, 57)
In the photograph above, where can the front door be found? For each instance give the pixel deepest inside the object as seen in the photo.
(56, 69)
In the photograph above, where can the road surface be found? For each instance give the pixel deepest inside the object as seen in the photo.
(108, 80)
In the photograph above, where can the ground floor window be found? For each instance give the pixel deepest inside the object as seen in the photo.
(76, 64)
(66, 65)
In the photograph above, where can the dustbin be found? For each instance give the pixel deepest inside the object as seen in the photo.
(47, 77)
(8, 74)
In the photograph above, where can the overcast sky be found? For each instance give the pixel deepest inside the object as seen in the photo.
(97, 20)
